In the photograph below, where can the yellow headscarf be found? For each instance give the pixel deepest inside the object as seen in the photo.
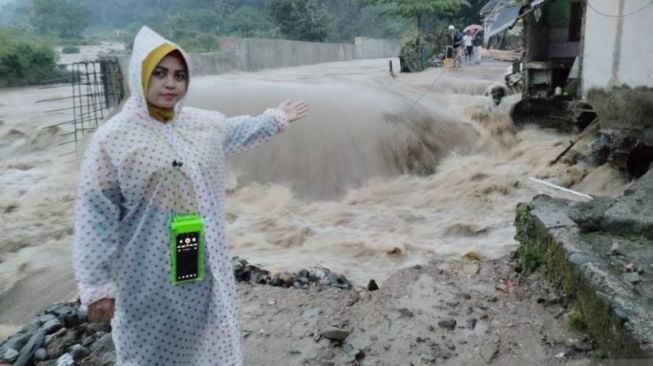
(149, 64)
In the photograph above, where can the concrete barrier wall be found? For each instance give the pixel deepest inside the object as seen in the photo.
(257, 54)
(376, 48)
(251, 54)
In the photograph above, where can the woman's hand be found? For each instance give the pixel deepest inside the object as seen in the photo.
(101, 311)
(294, 110)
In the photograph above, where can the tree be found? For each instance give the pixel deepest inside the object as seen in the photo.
(24, 59)
(417, 9)
(246, 21)
(66, 18)
(301, 20)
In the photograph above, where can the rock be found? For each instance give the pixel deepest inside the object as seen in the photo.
(632, 277)
(16, 342)
(87, 341)
(450, 345)
(59, 310)
(405, 313)
(41, 354)
(286, 279)
(65, 360)
(311, 313)
(98, 327)
(10, 355)
(34, 343)
(104, 343)
(471, 323)
(46, 317)
(52, 326)
(103, 353)
(583, 347)
(448, 324)
(340, 281)
(59, 345)
(79, 352)
(427, 358)
(335, 334)
(353, 353)
(72, 319)
(614, 249)
(472, 268)
(489, 350)
(372, 286)
(302, 280)
(57, 334)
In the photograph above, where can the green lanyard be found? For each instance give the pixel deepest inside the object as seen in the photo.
(176, 165)
(187, 242)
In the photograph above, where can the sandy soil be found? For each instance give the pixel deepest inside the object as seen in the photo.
(501, 317)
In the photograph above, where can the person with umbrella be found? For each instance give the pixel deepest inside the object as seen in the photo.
(477, 41)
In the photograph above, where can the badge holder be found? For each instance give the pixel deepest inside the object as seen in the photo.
(187, 246)
(187, 249)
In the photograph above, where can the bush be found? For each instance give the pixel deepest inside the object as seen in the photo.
(70, 49)
(576, 321)
(25, 60)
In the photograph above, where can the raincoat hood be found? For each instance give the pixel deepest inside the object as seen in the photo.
(145, 43)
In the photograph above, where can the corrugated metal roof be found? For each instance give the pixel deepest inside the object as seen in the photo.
(489, 8)
(505, 19)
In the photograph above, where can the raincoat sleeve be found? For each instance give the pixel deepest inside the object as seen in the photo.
(97, 217)
(245, 132)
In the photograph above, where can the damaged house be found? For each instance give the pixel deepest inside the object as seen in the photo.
(585, 61)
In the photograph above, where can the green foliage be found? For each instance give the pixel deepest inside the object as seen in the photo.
(369, 22)
(529, 258)
(65, 18)
(575, 320)
(301, 20)
(417, 8)
(24, 59)
(198, 23)
(248, 22)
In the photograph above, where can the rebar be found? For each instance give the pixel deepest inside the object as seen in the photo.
(96, 87)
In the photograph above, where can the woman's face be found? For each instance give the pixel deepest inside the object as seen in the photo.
(168, 82)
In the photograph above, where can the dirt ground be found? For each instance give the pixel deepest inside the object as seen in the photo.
(446, 313)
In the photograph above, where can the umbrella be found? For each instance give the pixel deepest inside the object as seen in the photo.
(473, 28)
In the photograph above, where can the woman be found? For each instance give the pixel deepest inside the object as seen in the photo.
(145, 173)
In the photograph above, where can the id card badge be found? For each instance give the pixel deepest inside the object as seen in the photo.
(187, 249)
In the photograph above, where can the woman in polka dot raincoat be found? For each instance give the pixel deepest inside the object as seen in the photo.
(154, 161)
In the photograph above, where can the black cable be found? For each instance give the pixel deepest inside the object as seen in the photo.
(589, 3)
(421, 96)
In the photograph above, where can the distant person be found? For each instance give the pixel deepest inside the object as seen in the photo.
(457, 42)
(150, 252)
(469, 48)
(478, 46)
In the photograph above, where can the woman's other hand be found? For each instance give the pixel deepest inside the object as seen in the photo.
(101, 311)
(294, 109)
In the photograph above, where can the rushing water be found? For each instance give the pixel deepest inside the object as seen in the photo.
(384, 173)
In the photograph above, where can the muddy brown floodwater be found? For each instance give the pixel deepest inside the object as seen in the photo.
(384, 175)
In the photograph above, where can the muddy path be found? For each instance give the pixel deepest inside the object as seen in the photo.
(444, 312)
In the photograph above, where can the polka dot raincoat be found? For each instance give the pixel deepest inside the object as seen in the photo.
(127, 197)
